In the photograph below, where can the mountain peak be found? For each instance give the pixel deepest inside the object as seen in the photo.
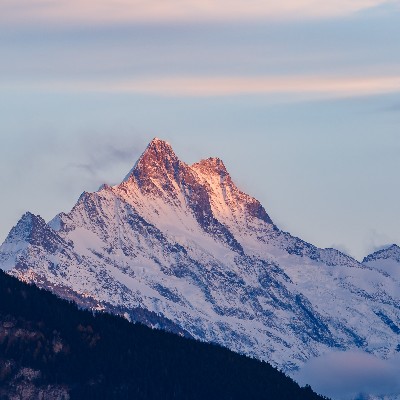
(390, 252)
(156, 160)
(26, 226)
(212, 165)
(159, 146)
(159, 157)
(156, 170)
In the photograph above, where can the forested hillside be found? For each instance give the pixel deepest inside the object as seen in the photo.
(50, 348)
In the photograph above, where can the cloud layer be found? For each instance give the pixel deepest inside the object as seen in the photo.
(352, 375)
(210, 86)
(105, 11)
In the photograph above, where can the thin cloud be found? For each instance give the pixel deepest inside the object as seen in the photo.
(205, 86)
(101, 156)
(341, 247)
(106, 11)
(393, 108)
(86, 168)
(376, 240)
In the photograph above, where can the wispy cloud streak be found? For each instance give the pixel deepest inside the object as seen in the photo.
(103, 11)
(211, 86)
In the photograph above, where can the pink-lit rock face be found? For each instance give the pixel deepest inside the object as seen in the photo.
(227, 199)
(182, 248)
(158, 170)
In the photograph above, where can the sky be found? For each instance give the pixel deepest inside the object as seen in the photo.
(300, 99)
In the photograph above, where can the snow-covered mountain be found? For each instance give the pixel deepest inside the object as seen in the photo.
(181, 247)
(386, 260)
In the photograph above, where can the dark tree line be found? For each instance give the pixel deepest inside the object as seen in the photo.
(101, 356)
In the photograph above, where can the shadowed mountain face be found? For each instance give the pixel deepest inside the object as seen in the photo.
(180, 247)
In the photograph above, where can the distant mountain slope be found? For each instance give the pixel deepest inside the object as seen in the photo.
(49, 349)
(387, 260)
(181, 247)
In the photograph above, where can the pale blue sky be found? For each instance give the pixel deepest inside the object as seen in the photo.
(305, 111)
